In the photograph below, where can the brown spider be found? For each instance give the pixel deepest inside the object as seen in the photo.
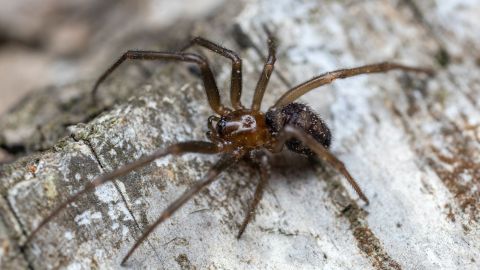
(241, 132)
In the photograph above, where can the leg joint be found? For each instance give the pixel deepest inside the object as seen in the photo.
(197, 59)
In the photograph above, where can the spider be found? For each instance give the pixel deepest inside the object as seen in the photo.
(240, 132)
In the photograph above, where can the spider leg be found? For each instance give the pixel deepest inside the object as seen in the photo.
(264, 169)
(175, 149)
(236, 78)
(211, 88)
(326, 78)
(219, 167)
(292, 132)
(266, 73)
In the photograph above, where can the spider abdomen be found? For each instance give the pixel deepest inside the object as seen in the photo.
(303, 117)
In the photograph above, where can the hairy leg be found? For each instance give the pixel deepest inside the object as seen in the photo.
(176, 149)
(211, 88)
(236, 77)
(326, 78)
(266, 73)
(219, 167)
(264, 169)
(290, 132)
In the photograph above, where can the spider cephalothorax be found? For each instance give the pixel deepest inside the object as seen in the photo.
(241, 133)
(244, 129)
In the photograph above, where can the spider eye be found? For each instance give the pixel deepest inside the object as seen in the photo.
(221, 126)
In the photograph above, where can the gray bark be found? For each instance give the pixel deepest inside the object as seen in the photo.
(412, 143)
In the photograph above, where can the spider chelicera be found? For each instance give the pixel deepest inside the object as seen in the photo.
(241, 132)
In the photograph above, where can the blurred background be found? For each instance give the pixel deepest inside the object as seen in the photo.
(55, 42)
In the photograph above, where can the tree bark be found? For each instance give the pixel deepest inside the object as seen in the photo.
(411, 141)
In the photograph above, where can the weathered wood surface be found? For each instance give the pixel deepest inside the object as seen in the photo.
(412, 142)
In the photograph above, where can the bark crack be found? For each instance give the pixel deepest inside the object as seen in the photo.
(137, 224)
(288, 233)
(21, 249)
(368, 243)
